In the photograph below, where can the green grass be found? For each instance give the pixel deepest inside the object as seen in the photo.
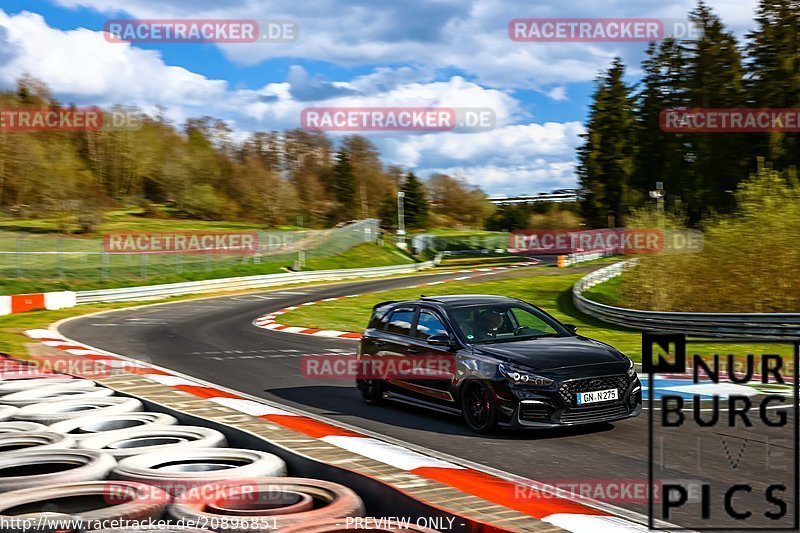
(360, 256)
(129, 220)
(547, 288)
(606, 293)
(13, 327)
(550, 289)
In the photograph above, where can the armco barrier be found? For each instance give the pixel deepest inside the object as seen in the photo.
(21, 303)
(706, 324)
(152, 292)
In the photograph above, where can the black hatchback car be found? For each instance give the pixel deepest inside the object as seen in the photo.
(497, 361)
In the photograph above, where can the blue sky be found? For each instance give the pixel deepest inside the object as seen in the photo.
(357, 53)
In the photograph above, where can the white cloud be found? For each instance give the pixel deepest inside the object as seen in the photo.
(81, 65)
(466, 35)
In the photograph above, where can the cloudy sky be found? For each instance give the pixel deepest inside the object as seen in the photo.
(356, 53)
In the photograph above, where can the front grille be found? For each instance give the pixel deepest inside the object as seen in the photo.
(594, 413)
(569, 389)
(534, 412)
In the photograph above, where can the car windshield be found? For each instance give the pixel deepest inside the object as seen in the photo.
(482, 324)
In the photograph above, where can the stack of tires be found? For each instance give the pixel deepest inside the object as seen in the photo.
(72, 449)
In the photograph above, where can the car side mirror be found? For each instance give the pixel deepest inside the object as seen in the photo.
(440, 340)
(572, 327)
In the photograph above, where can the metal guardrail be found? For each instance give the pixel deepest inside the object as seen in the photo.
(152, 292)
(705, 324)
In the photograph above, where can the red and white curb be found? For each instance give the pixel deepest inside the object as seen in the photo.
(569, 512)
(269, 321)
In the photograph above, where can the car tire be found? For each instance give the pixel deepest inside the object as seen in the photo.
(35, 440)
(331, 501)
(7, 411)
(16, 385)
(40, 468)
(183, 469)
(52, 412)
(24, 427)
(54, 393)
(478, 407)
(88, 426)
(123, 501)
(155, 439)
(371, 391)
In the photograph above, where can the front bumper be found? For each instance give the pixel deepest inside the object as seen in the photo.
(557, 408)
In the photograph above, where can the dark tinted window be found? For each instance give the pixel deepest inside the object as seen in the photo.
(429, 324)
(400, 321)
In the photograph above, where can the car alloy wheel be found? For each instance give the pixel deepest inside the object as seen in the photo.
(478, 407)
(371, 390)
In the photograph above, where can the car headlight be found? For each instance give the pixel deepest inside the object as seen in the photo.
(631, 369)
(523, 377)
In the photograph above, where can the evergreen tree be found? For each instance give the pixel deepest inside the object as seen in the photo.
(415, 203)
(344, 185)
(605, 161)
(773, 76)
(718, 161)
(660, 155)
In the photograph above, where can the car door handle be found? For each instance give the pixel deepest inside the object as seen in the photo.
(412, 351)
(380, 344)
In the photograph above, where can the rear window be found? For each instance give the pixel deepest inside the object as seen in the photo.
(400, 321)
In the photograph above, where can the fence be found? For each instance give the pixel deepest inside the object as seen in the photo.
(25, 255)
(706, 324)
(477, 242)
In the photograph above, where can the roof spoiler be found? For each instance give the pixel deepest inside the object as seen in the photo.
(381, 304)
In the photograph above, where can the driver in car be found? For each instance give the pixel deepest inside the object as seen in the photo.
(490, 324)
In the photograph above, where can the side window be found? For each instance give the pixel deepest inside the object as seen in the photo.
(429, 324)
(531, 321)
(400, 321)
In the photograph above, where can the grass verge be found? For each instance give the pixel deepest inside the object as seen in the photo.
(360, 256)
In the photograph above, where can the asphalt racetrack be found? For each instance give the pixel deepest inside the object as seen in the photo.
(214, 340)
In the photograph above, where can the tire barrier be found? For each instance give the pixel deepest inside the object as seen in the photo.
(276, 500)
(35, 440)
(177, 471)
(155, 439)
(44, 468)
(7, 411)
(107, 500)
(52, 412)
(43, 476)
(36, 381)
(54, 393)
(87, 426)
(14, 427)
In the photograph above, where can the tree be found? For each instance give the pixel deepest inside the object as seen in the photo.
(718, 161)
(456, 202)
(773, 76)
(344, 185)
(415, 203)
(660, 155)
(606, 159)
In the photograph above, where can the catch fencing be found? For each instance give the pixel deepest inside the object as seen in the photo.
(43, 256)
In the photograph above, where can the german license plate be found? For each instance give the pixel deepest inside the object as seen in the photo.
(597, 396)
